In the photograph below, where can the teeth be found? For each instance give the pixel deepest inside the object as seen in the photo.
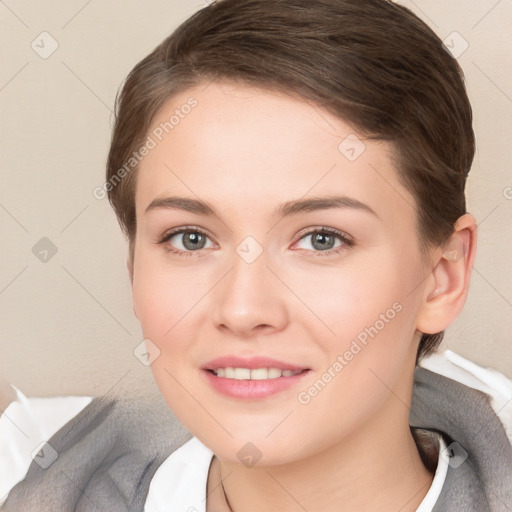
(273, 373)
(241, 373)
(254, 374)
(259, 374)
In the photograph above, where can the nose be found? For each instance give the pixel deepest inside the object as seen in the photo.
(250, 300)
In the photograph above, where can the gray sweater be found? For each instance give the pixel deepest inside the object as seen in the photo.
(108, 453)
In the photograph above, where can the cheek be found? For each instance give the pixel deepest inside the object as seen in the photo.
(170, 305)
(163, 296)
(166, 303)
(363, 319)
(152, 303)
(350, 297)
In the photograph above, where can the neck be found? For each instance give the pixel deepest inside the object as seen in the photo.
(377, 467)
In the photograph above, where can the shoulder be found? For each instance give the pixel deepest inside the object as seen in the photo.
(493, 384)
(469, 406)
(106, 456)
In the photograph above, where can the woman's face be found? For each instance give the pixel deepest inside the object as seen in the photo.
(300, 253)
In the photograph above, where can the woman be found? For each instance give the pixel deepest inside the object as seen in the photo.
(290, 176)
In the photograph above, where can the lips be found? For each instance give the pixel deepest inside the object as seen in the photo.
(251, 378)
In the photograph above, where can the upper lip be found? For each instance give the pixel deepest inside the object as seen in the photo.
(250, 362)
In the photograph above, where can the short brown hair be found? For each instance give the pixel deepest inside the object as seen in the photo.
(372, 63)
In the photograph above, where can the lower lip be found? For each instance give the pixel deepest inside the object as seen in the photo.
(248, 389)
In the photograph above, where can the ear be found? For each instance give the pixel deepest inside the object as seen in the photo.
(448, 284)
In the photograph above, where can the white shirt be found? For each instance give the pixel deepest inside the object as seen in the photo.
(179, 484)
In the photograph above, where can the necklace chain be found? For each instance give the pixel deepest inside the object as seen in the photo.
(224, 490)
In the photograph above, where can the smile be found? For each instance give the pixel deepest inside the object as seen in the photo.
(254, 373)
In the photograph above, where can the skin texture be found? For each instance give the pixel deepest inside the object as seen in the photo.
(246, 151)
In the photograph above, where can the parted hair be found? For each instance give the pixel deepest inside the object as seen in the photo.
(372, 63)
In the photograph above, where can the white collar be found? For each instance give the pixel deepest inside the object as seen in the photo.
(179, 484)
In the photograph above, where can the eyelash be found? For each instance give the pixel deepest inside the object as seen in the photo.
(346, 241)
(178, 231)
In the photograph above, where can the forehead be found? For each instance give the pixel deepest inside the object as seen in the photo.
(233, 145)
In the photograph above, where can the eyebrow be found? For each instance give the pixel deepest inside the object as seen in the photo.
(286, 209)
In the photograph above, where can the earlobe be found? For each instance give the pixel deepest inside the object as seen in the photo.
(447, 289)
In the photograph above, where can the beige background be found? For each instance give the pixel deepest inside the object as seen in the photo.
(67, 324)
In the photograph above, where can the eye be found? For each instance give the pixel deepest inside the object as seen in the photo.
(185, 241)
(324, 240)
